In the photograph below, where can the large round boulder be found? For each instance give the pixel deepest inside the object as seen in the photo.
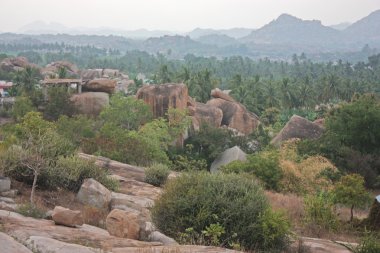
(90, 103)
(162, 97)
(93, 193)
(124, 224)
(100, 85)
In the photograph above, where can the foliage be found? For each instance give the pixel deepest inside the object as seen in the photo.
(58, 103)
(234, 204)
(370, 243)
(209, 142)
(320, 212)
(264, 165)
(22, 106)
(350, 191)
(69, 173)
(126, 112)
(30, 210)
(157, 174)
(182, 160)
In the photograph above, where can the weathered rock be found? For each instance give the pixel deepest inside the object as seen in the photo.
(162, 97)
(146, 229)
(124, 224)
(205, 114)
(47, 245)
(90, 74)
(217, 93)
(22, 228)
(235, 115)
(320, 122)
(8, 206)
(298, 127)
(10, 245)
(7, 200)
(53, 68)
(157, 236)
(5, 184)
(228, 156)
(90, 103)
(94, 194)
(315, 245)
(16, 64)
(100, 85)
(130, 201)
(67, 217)
(113, 73)
(10, 194)
(175, 249)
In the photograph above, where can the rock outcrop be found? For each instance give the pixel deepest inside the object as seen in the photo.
(218, 93)
(16, 64)
(52, 69)
(204, 114)
(67, 217)
(235, 115)
(228, 156)
(90, 103)
(298, 127)
(162, 97)
(100, 85)
(10, 245)
(94, 194)
(123, 224)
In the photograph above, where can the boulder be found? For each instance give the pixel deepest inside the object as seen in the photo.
(90, 74)
(162, 97)
(316, 245)
(5, 184)
(320, 122)
(16, 64)
(217, 93)
(23, 228)
(10, 194)
(123, 224)
(100, 85)
(228, 156)
(113, 73)
(205, 114)
(130, 201)
(157, 236)
(53, 69)
(48, 245)
(235, 115)
(298, 127)
(176, 249)
(10, 245)
(94, 194)
(90, 103)
(67, 217)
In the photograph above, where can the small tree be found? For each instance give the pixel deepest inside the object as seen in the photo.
(350, 191)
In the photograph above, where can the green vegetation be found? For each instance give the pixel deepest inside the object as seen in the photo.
(157, 174)
(231, 209)
(369, 244)
(350, 191)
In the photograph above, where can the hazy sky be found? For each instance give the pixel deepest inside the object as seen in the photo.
(178, 15)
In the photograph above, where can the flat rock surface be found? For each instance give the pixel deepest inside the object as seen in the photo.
(10, 245)
(175, 249)
(22, 228)
(315, 245)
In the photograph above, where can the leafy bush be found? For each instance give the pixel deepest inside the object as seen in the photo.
(30, 210)
(370, 243)
(58, 104)
(70, 172)
(230, 208)
(264, 165)
(157, 174)
(22, 106)
(320, 212)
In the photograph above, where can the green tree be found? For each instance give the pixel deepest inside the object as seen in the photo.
(58, 104)
(350, 191)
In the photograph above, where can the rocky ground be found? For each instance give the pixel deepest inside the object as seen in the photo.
(128, 227)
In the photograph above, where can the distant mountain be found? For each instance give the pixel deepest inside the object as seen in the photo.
(219, 40)
(341, 26)
(287, 29)
(366, 30)
(233, 32)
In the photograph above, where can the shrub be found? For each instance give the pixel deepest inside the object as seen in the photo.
(70, 172)
(264, 165)
(22, 106)
(229, 207)
(320, 212)
(59, 103)
(370, 243)
(30, 210)
(157, 174)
